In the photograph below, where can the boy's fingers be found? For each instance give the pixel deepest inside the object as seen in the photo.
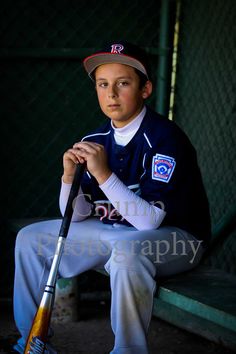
(88, 146)
(70, 154)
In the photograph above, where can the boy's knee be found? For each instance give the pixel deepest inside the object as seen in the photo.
(24, 237)
(30, 238)
(129, 261)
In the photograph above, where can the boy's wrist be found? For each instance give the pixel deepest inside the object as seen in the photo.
(102, 178)
(67, 179)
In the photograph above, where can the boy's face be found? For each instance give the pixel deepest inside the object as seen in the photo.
(119, 94)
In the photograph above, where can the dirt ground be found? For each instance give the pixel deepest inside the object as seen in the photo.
(91, 334)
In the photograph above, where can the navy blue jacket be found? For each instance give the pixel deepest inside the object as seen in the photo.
(160, 165)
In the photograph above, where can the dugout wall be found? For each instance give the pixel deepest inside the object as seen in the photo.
(205, 104)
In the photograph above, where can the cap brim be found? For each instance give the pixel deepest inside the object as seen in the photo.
(93, 61)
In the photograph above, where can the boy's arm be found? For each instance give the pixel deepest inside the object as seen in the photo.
(137, 211)
(82, 208)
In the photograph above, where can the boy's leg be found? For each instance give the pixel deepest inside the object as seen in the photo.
(34, 251)
(137, 256)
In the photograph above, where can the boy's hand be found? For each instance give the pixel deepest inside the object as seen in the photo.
(95, 157)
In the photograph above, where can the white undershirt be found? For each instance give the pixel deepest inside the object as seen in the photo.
(123, 135)
(144, 216)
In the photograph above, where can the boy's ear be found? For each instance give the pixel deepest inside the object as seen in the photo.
(147, 89)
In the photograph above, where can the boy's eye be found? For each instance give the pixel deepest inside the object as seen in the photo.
(102, 84)
(123, 83)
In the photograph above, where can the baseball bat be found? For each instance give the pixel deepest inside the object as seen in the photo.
(39, 330)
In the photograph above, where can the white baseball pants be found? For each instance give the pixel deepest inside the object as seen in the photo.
(134, 259)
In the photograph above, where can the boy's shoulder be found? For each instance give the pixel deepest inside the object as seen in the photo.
(161, 128)
(101, 131)
(156, 120)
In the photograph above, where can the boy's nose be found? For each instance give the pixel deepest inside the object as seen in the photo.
(112, 92)
(111, 95)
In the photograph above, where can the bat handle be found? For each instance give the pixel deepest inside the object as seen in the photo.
(65, 225)
(69, 206)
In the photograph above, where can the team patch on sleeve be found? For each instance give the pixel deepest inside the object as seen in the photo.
(162, 167)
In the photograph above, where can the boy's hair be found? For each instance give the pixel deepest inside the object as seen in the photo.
(142, 78)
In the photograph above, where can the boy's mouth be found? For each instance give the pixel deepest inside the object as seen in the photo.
(113, 106)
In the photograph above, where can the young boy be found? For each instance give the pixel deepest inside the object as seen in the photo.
(141, 211)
